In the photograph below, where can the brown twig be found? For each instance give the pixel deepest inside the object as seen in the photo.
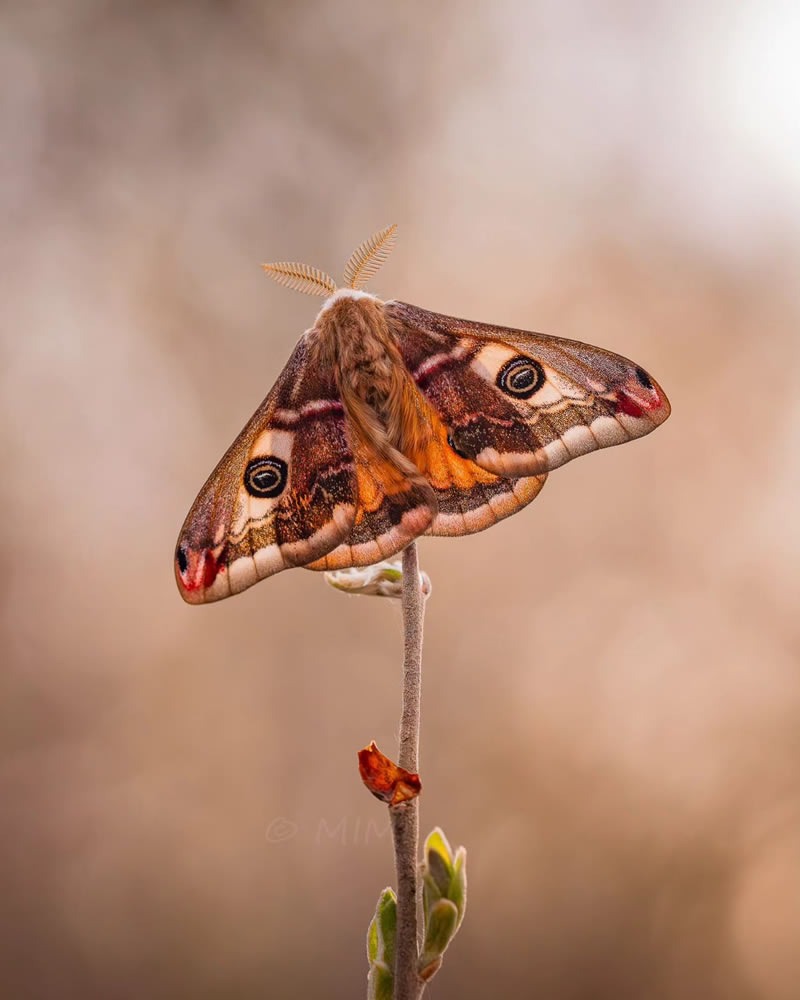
(405, 817)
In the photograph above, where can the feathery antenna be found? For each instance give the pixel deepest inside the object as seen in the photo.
(364, 261)
(301, 277)
(367, 259)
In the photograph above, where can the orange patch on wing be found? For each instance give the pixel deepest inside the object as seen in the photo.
(442, 467)
(376, 479)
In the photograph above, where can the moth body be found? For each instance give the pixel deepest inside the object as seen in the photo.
(352, 340)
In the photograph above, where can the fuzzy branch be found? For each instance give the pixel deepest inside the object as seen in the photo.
(405, 817)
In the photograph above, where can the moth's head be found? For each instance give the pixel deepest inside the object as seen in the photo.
(349, 308)
(346, 294)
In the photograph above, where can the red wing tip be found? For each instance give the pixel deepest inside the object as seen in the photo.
(640, 395)
(195, 572)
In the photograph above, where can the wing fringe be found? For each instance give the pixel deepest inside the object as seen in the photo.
(367, 259)
(301, 277)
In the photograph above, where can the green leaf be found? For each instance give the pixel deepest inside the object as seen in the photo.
(380, 982)
(457, 891)
(372, 941)
(440, 926)
(438, 843)
(438, 860)
(430, 890)
(386, 919)
(380, 947)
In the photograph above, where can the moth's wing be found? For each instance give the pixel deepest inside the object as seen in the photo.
(283, 494)
(521, 404)
(394, 505)
(468, 497)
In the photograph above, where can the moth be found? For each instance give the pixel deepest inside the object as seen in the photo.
(390, 422)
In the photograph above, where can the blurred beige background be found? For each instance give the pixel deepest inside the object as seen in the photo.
(612, 693)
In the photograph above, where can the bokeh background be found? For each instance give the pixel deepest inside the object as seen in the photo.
(612, 692)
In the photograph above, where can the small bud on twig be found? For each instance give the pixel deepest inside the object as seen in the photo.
(383, 579)
(444, 894)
